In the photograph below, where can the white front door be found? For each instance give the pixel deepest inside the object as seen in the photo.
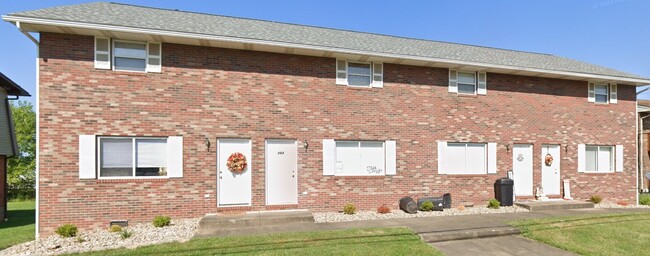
(233, 189)
(551, 174)
(281, 172)
(522, 168)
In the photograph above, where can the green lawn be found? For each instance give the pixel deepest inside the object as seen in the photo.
(621, 234)
(379, 241)
(20, 227)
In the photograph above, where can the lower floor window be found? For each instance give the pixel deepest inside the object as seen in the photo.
(466, 158)
(359, 158)
(599, 158)
(132, 157)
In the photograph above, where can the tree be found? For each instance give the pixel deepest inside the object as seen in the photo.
(21, 173)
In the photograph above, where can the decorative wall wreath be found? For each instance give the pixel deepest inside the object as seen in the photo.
(236, 162)
(548, 160)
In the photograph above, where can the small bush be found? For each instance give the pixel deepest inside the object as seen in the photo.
(67, 230)
(461, 207)
(80, 239)
(161, 221)
(125, 234)
(494, 204)
(596, 199)
(426, 206)
(622, 203)
(115, 228)
(644, 199)
(383, 209)
(349, 209)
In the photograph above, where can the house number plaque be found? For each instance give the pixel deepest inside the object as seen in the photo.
(520, 157)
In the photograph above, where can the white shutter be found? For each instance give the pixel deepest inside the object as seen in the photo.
(442, 157)
(391, 157)
(581, 158)
(482, 83)
(102, 53)
(175, 157)
(591, 95)
(619, 158)
(378, 75)
(87, 157)
(492, 157)
(154, 57)
(613, 93)
(453, 81)
(329, 153)
(341, 72)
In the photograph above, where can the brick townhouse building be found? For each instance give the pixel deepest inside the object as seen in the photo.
(197, 113)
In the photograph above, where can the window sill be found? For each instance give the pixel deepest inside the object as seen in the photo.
(468, 175)
(597, 172)
(467, 95)
(129, 180)
(361, 176)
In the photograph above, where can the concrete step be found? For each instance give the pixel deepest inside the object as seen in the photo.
(252, 222)
(453, 235)
(256, 230)
(554, 205)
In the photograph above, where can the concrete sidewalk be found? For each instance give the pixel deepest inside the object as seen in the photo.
(504, 244)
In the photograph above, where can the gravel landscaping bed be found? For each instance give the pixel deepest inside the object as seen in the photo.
(101, 239)
(614, 205)
(398, 214)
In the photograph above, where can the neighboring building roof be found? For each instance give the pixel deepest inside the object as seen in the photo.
(642, 105)
(309, 37)
(11, 87)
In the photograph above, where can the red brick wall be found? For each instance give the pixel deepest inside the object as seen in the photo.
(216, 93)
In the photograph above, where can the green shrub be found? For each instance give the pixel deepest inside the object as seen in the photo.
(349, 209)
(161, 221)
(67, 230)
(494, 204)
(125, 234)
(115, 228)
(644, 199)
(426, 206)
(596, 199)
(80, 239)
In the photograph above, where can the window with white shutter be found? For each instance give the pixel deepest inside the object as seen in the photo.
(603, 93)
(102, 53)
(471, 83)
(125, 55)
(359, 74)
(138, 157)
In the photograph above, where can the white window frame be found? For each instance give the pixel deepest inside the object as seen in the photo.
(370, 66)
(113, 55)
(133, 158)
(606, 93)
(360, 141)
(612, 158)
(485, 158)
(458, 82)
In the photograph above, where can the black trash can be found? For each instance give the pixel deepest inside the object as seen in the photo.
(503, 191)
(446, 201)
(408, 205)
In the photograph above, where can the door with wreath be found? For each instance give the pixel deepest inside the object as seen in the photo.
(233, 172)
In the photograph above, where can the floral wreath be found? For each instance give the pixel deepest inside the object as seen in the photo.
(237, 162)
(548, 160)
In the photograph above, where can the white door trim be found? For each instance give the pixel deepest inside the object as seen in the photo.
(266, 169)
(250, 168)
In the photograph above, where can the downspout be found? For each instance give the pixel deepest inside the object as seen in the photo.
(14, 148)
(37, 43)
(642, 151)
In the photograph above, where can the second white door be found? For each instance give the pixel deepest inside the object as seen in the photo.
(551, 172)
(281, 172)
(522, 168)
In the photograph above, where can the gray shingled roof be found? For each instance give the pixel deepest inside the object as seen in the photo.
(189, 22)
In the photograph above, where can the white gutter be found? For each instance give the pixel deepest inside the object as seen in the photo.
(26, 34)
(311, 47)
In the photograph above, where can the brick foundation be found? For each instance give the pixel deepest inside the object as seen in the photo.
(215, 93)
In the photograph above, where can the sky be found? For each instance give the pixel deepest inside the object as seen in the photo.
(611, 33)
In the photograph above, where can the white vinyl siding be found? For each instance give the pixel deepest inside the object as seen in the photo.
(360, 158)
(599, 158)
(359, 74)
(465, 158)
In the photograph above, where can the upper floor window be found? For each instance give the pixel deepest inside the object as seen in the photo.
(471, 83)
(127, 55)
(359, 74)
(603, 93)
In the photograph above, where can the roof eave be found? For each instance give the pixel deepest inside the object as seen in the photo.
(158, 32)
(12, 88)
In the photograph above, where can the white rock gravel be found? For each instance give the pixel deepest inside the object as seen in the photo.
(101, 239)
(398, 214)
(614, 205)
